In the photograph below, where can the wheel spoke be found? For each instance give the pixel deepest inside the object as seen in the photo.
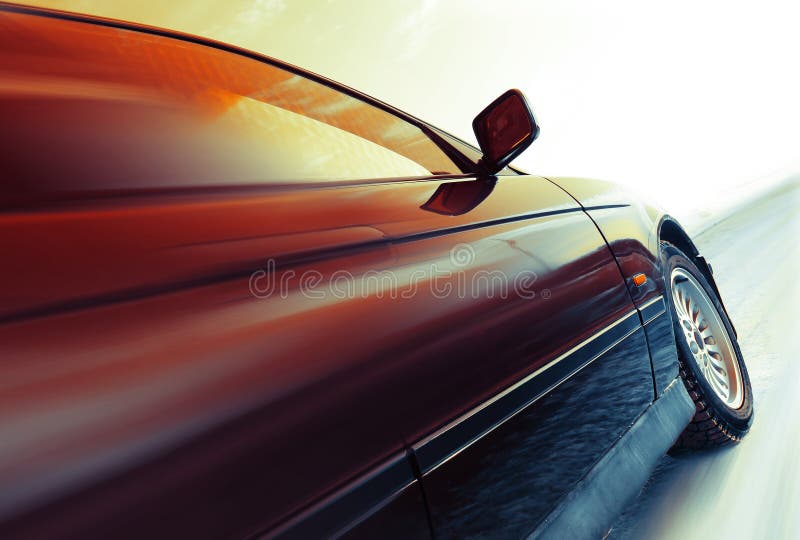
(679, 304)
(695, 313)
(680, 301)
(715, 356)
(717, 379)
(720, 370)
(718, 382)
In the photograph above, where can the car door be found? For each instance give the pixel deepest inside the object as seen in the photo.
(559, 369)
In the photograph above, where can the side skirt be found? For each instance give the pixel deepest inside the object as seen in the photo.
(590, 509)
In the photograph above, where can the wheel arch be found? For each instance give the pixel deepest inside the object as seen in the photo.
(669, 230)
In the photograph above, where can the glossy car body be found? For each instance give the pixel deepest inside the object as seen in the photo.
(191, 350)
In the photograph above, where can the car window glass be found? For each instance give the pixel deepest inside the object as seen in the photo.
(118, 109)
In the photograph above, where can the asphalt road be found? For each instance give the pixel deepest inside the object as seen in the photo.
(752, 490)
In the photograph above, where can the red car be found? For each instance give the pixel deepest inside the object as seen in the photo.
(241, 300)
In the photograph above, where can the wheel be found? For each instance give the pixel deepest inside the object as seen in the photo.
(711, 363)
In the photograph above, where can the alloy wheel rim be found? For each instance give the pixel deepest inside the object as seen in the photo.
(705, 334)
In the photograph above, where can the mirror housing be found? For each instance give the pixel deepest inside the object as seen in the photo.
(504, 130)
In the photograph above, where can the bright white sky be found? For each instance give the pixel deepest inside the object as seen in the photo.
(685, 100)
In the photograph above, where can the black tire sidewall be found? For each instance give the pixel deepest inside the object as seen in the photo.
(742, 417)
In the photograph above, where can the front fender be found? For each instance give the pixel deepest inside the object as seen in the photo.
(632, 229)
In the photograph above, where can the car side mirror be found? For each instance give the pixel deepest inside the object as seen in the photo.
(504, 130)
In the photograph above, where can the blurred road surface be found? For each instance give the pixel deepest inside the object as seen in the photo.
(753, 489)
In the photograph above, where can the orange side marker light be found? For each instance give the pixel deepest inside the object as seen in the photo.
(639, 280)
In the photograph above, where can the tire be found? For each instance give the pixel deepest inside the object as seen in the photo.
(710, 361)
